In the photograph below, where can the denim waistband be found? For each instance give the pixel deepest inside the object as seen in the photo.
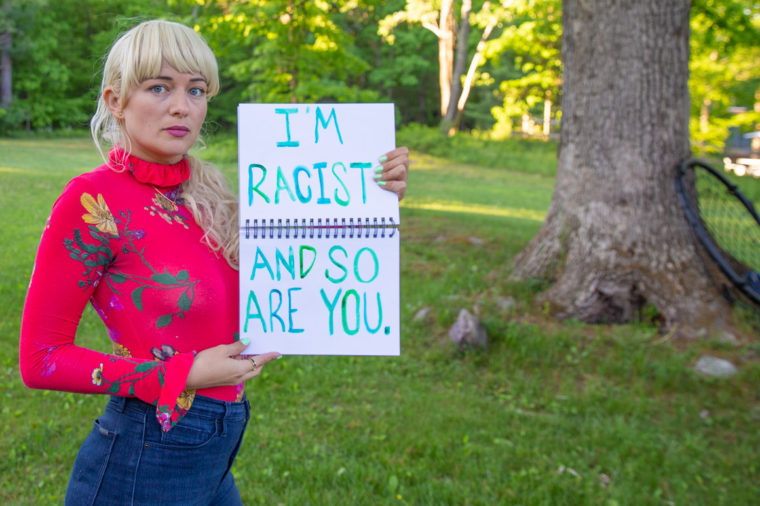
(202, 406)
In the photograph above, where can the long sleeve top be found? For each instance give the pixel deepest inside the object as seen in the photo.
(121, 238)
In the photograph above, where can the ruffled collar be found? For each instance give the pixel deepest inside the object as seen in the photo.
(156, 174)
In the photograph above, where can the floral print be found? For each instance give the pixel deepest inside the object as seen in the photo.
(165, 206)
(121, 351)
(97, 376)
(98, 259)
(98, 214)
(104, 244)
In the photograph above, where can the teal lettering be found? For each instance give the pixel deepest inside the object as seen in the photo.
(379, 314)
(289, 264)
(282, 184)
(322, 199)
(340, 201)
(287, 111)
(259, 262)
(344, 312)
(254, 316)
(361, 166)
(252, 188)
(301, 197)
(337, 264)
(325, 123)
(374, 261)
(330, 306)
(291, 311)
(273, 311)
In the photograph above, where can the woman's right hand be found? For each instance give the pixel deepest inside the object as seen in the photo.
(224, 365)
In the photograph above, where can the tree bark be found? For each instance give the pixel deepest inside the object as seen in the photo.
(445, 52)
(459, 63)
(615, 237)
(474, 63)
(6, 62)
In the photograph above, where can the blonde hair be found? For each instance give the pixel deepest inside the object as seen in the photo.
(138, 55)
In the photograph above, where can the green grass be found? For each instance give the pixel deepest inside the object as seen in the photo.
(553, 413)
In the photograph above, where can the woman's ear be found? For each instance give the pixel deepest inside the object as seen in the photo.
(111, 98)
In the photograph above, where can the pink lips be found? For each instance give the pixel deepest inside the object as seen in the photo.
(178, 131)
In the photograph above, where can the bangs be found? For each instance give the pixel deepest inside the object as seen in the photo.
(161, 41)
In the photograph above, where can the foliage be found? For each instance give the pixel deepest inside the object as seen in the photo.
(285, 51)
(533, 41)
(534, 156)
(552, 413)
(291, 51)
(723, 67)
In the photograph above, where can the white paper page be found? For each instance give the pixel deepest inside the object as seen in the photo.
(317, 274)
(313, 160)
(311, 296)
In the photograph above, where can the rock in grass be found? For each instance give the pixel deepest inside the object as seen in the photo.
(422, 314)
(714, 366)
(468, 332)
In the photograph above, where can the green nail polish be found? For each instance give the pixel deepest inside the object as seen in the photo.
(279, 357)
(381, 183)
(383, 158)
(379, 168)
(246, 341)
(378, 177)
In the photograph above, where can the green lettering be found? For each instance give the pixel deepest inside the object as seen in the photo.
(255, 316)
(344, 312)
(330, 305)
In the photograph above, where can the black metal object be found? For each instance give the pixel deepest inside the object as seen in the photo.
(715, 205)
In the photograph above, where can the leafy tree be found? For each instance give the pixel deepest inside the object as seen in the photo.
(56, 52)
(725, 49)
(288, 51)
(533, 42)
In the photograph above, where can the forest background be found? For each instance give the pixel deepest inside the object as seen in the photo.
(506, 55)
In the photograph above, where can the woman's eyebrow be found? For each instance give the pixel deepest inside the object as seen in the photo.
(167, 78)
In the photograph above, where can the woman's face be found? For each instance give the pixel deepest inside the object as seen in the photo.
(162, 116)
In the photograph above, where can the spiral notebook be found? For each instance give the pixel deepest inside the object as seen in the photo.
(319, 239)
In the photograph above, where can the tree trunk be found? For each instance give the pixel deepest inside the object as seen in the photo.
(445, 52)
(6, 63)
(459, 63)
(615, 237)
(474, 63)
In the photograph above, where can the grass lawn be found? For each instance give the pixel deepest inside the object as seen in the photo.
(553, 413)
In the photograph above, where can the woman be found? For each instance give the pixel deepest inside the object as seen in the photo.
(150, 239)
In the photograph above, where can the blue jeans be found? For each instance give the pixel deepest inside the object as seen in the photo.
(128, 460)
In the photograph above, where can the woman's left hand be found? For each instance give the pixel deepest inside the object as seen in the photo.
(394, 171)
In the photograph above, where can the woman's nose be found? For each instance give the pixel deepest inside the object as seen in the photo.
(179, 104)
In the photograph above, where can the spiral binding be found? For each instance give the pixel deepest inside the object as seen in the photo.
(319, 228)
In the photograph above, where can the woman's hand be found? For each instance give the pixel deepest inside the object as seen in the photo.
(395, 171)
(224, 365)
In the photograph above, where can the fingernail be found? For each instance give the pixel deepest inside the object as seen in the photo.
(379, 168)
(383, 158)
(245, 340)
(279, 357)
(378, 177)
(381, 183)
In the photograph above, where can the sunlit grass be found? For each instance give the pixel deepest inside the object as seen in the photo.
(460, 207)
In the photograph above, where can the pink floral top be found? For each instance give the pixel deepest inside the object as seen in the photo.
(120, 237)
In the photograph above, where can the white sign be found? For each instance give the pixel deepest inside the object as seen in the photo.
(319, 244)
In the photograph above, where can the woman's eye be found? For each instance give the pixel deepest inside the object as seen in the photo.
(159, 88)
(197, 92)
